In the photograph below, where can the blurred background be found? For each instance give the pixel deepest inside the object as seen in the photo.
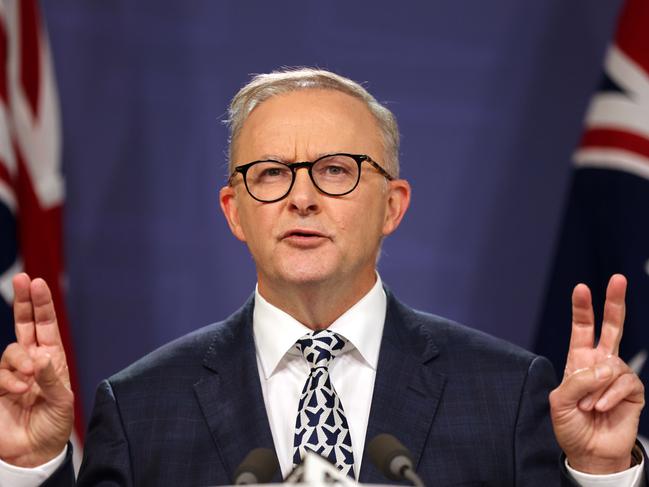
(490, 98)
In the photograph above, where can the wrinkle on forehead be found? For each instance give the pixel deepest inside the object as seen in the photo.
(308, 124)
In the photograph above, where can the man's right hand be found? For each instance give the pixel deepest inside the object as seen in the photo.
(36, 400)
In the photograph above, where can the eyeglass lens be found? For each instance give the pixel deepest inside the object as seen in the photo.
(334, 175)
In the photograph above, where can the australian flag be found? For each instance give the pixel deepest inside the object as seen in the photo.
(31, 182)
(606, 225)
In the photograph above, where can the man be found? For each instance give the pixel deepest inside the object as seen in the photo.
(323, 357)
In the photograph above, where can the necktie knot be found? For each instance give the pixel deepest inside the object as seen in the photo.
(320, 347)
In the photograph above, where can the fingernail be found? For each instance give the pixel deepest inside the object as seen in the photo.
(603, 372)
(601, 404)
(586, 402)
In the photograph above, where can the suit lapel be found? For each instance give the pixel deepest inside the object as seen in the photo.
(407, 389)
(230, 396)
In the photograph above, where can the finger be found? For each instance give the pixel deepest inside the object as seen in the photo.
(15, 357)
(11, 384)
(47, 329)
(614, 311)
(576, 387)
(620, 368)
(23, 310)
(627, 387)
(583, 322)
(52, 387)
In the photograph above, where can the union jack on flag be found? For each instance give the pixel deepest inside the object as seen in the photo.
(31, 183)
(617, 123)
(606, 225)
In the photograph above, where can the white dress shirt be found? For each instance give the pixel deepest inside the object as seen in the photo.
(12, 476)
(283, 372)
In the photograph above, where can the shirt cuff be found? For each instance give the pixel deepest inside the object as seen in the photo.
(633, 477)
(30, 477)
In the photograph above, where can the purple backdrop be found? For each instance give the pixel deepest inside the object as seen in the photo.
(489, 98)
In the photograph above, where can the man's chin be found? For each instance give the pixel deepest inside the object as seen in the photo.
(306, 278)
(313, 273)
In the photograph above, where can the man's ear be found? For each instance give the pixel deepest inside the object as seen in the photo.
(398, 200)
(228, 200)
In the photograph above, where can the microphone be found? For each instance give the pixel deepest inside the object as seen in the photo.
(258, 467)
(393, 459)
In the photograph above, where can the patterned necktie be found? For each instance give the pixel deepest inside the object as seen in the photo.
(321, 425)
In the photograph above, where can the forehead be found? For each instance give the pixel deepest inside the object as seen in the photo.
(306, 124)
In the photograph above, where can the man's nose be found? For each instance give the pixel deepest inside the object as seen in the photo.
(304, 196)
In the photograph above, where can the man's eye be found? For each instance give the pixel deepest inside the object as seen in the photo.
(332, 170)
(272, 172)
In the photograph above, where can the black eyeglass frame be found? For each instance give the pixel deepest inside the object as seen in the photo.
(294, 166)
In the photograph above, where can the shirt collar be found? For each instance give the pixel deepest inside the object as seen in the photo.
(276, 331)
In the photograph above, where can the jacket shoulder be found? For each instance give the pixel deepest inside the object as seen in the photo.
(450, 338)
(186, 353)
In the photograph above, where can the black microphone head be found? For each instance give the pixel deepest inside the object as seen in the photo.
(258, 467)
(389, 456)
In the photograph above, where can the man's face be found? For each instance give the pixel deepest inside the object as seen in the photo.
(309, 237)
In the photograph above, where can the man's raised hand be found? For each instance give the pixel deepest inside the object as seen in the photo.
(596, 408)
(36, 401)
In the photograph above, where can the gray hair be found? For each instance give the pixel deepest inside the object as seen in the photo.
(264, 86)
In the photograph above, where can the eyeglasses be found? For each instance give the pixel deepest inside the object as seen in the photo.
(334, 175)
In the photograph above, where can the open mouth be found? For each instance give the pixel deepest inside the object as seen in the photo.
(303, 234)
(303, 237)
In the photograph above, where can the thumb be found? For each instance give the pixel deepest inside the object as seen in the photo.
(581, 383)
(52, 387)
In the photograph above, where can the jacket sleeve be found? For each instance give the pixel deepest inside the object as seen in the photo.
(64, 475)
(106, 456)
(536, 452)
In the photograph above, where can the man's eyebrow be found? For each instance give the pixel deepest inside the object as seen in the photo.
(287, 160)
(273, 157)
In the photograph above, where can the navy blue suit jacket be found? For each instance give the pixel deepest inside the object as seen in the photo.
(472, 409)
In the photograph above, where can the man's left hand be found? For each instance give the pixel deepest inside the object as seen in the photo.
(596, 408)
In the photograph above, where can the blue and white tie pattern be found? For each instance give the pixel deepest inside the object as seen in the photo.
(321, 425)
